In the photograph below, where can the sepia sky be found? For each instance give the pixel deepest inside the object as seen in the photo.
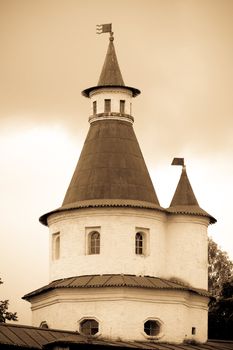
(179, 53)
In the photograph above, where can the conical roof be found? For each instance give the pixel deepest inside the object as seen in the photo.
(111, 166)
(184, 194)
(110, 172)
(184, 200)
(111, 74)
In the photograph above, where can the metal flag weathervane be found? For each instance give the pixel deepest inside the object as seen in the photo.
(178, 161)
(104, 28)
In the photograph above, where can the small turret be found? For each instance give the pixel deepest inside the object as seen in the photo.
(187, 234)
(184, 200)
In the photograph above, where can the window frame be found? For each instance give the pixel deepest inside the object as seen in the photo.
(44, 325)
(56, 246)
(139, 243)
(122, 106)
(94, 243)
(145, 232)
(94, 107)
(160, 325)
(107, 105)
(91, 319)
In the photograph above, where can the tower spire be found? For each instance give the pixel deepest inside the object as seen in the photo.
(111, 74)
(184, 200)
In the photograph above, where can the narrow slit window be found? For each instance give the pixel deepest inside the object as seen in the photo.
(94, 243)
(122, 106)
(94, 107)
(139, 243)
(56, 246)
(107, 106)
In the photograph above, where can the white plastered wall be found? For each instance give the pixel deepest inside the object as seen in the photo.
(117, 227)
(187, 249)
(115, 95)
(121, 312)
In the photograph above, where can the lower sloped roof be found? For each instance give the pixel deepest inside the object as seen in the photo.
(110, 280)
(14, 336)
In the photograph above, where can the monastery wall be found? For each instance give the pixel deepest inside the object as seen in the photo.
(122, 312)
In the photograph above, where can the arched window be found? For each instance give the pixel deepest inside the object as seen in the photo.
(139, 243)
(56, 246)
(44, 324)
(89, 326)
(94, 243)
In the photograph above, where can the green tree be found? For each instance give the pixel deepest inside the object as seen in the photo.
(5, 315)
(220, 269)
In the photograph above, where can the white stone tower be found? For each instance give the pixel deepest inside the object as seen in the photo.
(121, 266)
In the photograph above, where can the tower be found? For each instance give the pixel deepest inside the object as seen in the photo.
(121, 266)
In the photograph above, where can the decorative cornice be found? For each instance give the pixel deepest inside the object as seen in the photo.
(111, 115)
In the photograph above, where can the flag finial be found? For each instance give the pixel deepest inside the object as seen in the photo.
(105, 28)
(178, 161)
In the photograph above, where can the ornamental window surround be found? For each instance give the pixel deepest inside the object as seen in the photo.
(89, 327)
(153, 328)
(44, 324)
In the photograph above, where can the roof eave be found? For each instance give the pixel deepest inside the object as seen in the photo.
(111, 203)
(86, 92)
(190, 210)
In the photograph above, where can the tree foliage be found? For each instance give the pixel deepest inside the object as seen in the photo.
(6, 315)
(221, 314)
(221, 287)
(220, 269)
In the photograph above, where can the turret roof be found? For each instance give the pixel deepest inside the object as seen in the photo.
(184, 200)
(111, 74)
(111, 171)
(111, 166)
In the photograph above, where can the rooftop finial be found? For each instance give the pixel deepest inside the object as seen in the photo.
(105, 28)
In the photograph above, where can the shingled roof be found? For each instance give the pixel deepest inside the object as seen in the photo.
(184, 200)
(14, 336)
(111, 280)
(111, 167)
(111, 74)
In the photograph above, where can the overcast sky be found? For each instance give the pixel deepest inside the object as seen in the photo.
(179, 53)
